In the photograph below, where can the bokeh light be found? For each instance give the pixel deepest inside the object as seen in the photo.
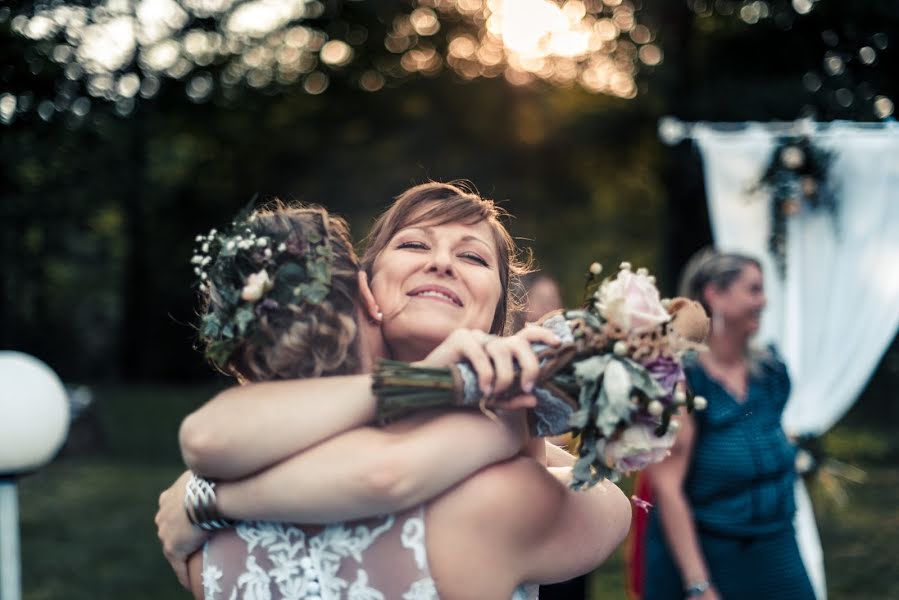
(845, 83)
(121, 51)
(597, 44)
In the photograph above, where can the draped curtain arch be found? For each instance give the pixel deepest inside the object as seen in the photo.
(836, 310)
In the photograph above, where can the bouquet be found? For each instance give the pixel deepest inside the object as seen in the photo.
(615, 381)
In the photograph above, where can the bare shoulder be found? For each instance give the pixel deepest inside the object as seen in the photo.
(523, 520)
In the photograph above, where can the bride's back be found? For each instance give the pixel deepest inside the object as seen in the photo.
(510, 523)
(379, 557)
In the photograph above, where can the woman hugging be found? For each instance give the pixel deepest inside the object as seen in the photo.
(310, 499)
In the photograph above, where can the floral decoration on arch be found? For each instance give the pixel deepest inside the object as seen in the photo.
(797, 179)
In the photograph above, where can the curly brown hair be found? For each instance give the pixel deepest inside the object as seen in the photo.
(297, 339)
(455, 202)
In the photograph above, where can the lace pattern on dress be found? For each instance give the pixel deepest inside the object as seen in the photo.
(374, 559)
(381, 558)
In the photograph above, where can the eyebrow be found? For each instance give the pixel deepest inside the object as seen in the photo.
(429, 231)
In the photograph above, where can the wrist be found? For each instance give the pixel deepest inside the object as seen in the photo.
(201, 507)
(696, 588)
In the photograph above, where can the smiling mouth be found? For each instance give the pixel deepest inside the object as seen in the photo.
(437, 294)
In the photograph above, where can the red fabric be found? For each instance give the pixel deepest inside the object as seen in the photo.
(637, 539)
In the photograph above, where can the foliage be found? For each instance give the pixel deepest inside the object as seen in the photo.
(98, 213)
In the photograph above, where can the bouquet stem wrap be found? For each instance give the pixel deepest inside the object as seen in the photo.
(403, 388)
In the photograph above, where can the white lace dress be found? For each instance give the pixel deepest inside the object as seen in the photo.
(382, 558)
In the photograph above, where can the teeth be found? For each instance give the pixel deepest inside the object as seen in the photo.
(436, 294)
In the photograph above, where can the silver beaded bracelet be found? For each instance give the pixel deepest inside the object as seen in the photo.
(200, 505)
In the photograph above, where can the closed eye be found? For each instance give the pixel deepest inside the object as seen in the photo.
(475, 258)
(413, 245)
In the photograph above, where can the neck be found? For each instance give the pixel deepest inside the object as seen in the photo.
(727, 350)
(409, 351)
(373, 346)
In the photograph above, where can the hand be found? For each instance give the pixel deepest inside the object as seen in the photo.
(178, 537)
(519, 349)
(495, 360)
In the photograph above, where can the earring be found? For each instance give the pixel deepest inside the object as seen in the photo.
(379, 316)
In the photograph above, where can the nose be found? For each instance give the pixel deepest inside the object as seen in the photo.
(441, 262)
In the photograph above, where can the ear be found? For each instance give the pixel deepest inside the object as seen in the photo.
(711, 293)
(368, 302)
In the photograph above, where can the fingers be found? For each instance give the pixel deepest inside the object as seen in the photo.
(471, 348)
(528, 364)
(537, 334)
(180, 568)
(495, 360)
(500, 353)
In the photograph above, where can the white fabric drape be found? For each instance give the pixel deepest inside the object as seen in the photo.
(837, 309)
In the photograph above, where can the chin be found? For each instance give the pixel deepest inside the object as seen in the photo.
(420, 331)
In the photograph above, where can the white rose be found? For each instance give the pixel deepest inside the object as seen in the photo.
(792, 157)
(257, 284)
(637, 447)
(632, 302)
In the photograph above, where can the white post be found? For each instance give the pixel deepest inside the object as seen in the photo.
(10, 567)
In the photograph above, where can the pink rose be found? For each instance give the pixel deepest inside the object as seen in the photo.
(632, 302)
(637, 447)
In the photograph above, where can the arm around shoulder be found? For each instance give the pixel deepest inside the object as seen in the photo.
(374, 471)
(247, 428)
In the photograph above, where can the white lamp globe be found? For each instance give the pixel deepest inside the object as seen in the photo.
(34, 413)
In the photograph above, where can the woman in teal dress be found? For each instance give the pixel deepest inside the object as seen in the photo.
(722, 525)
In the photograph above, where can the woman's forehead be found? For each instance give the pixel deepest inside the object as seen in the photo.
(479, 231)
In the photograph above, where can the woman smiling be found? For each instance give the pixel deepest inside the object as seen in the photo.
(439, 264)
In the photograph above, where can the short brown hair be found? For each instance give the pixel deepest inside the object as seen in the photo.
(443, 203)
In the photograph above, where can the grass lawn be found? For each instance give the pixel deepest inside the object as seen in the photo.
(87, 519)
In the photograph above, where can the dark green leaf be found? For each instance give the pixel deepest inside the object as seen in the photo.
(313, 293)
(230, 296)
(319, 271)
(290, 274)
(243, 317)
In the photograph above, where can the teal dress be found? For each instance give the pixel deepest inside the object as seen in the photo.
(740, 489)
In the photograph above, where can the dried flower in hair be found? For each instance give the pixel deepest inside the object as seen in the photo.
(257, 284)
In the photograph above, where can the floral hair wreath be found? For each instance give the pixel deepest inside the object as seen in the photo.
(247, 270)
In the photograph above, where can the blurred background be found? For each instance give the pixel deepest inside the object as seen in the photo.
(127, 127)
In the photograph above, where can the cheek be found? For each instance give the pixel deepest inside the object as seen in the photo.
(385, 294)
(489, 299)
(387, 275)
